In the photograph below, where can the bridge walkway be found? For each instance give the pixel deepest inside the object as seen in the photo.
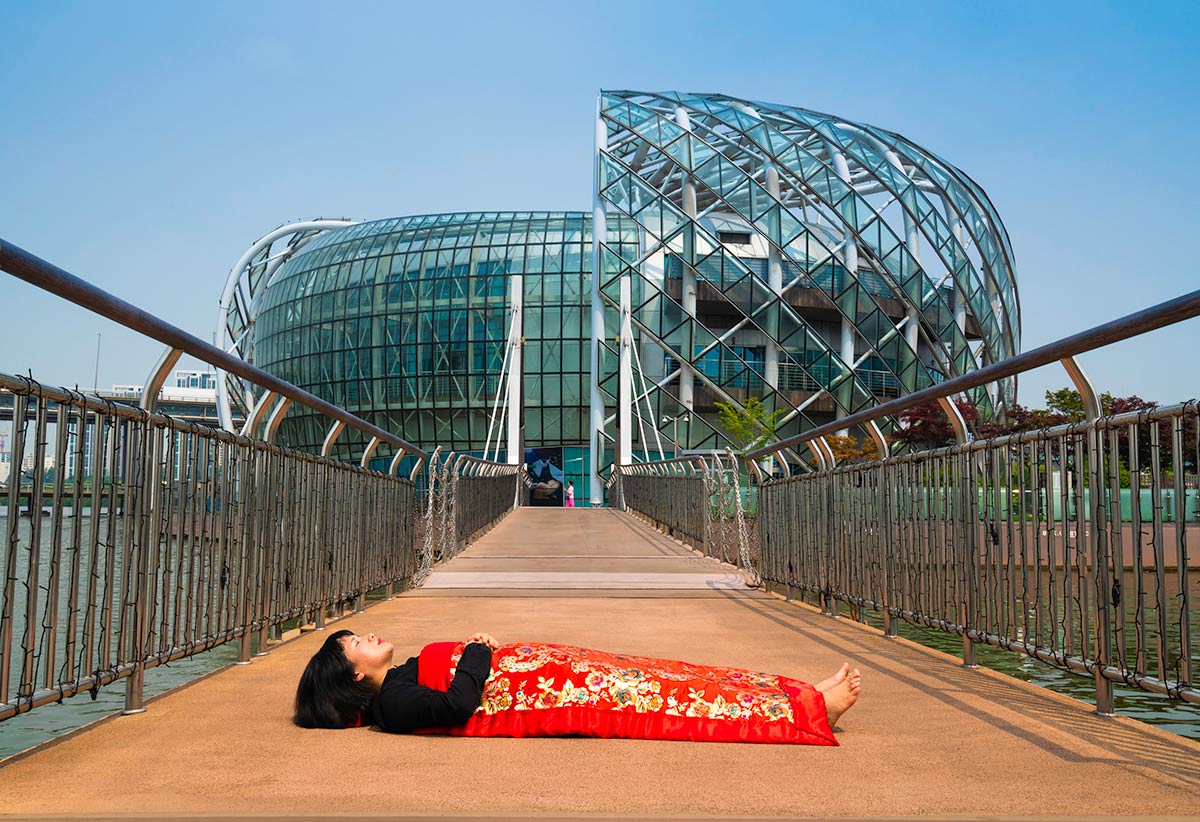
(928, 737)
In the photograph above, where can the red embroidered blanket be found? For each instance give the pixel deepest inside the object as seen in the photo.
(539, 689)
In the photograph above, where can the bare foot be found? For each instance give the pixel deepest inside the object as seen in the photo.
(841, 697)
(825, 684)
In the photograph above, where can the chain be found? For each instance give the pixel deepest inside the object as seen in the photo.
(708, 495)
(450, 524)
(425, 563)
(743, 534)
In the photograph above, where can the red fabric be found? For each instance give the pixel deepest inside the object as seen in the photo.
(539, 689)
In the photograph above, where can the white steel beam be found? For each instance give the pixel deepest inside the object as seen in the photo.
(687, 385)
(599, 234)
(850, 263)
(775, 283)
(625, 377)
(516, 341)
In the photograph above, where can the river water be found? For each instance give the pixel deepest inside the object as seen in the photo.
(1153, 709)
(49, 721)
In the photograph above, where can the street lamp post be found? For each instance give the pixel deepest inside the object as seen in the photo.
(686, 417)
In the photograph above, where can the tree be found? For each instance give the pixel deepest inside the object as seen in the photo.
(749, 427)
(850, 449)
(1068, 402)
(1066, 406)
(1021, 418)
(927, 426)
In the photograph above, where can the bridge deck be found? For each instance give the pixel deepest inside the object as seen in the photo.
(928, 737)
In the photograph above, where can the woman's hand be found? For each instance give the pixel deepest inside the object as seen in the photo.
(484, 639)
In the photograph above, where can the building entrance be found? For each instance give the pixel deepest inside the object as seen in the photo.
(545, 467)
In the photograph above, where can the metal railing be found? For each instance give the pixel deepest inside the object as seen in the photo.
(699, 500)
(1068, 544)
(155, 539)
(131, 539)
(1013, 542)
(464, 498)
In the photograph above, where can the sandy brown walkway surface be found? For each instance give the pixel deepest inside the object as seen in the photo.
(928, 738)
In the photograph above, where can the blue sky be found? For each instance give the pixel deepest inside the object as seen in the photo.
(145, 146)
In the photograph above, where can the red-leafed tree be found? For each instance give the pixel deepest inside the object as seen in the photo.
(927, 426)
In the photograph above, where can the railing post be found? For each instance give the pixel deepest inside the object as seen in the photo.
(138, 555)
(247, 474)
(276, 418)
(264, 545)
(321, 521)
(257, 414)
(886, 542)
(966, 502)
(1097, 536)
(830, 511)
(158, 375)
(269, 431)
(357, 531)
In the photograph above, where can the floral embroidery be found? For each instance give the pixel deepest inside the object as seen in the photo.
(539, 676)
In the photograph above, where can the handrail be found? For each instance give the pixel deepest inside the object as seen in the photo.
(1158, 316)
(31, 268)
(167, 538)
(199, 536)
(970, 514)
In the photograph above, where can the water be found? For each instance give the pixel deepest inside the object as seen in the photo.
(1153, 709)
(44, 723)
(49, 721)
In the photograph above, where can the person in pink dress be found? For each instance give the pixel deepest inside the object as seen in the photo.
(570, 496)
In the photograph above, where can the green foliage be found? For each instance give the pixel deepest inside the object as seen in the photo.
(749, 427)
(1069, 403)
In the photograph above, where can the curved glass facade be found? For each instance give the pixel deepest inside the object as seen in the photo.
(404, 322)
(768, 251)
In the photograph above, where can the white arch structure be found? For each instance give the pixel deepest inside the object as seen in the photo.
(247, 282)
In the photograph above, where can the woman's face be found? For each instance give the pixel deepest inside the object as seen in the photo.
(370, 655)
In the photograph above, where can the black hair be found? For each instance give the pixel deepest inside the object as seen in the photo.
(328, 696)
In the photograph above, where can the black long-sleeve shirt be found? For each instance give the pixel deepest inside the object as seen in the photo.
(403, 705)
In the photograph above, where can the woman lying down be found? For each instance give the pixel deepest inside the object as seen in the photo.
(482, 688)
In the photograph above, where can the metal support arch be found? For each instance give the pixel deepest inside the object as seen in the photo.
(224, 412)
(158, 375)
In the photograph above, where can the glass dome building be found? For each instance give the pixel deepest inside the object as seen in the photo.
(734, 249)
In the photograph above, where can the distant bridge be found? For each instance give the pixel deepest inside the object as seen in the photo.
(199, 411)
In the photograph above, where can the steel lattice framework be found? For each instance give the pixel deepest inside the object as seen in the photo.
(740, 252)
(776, 219)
